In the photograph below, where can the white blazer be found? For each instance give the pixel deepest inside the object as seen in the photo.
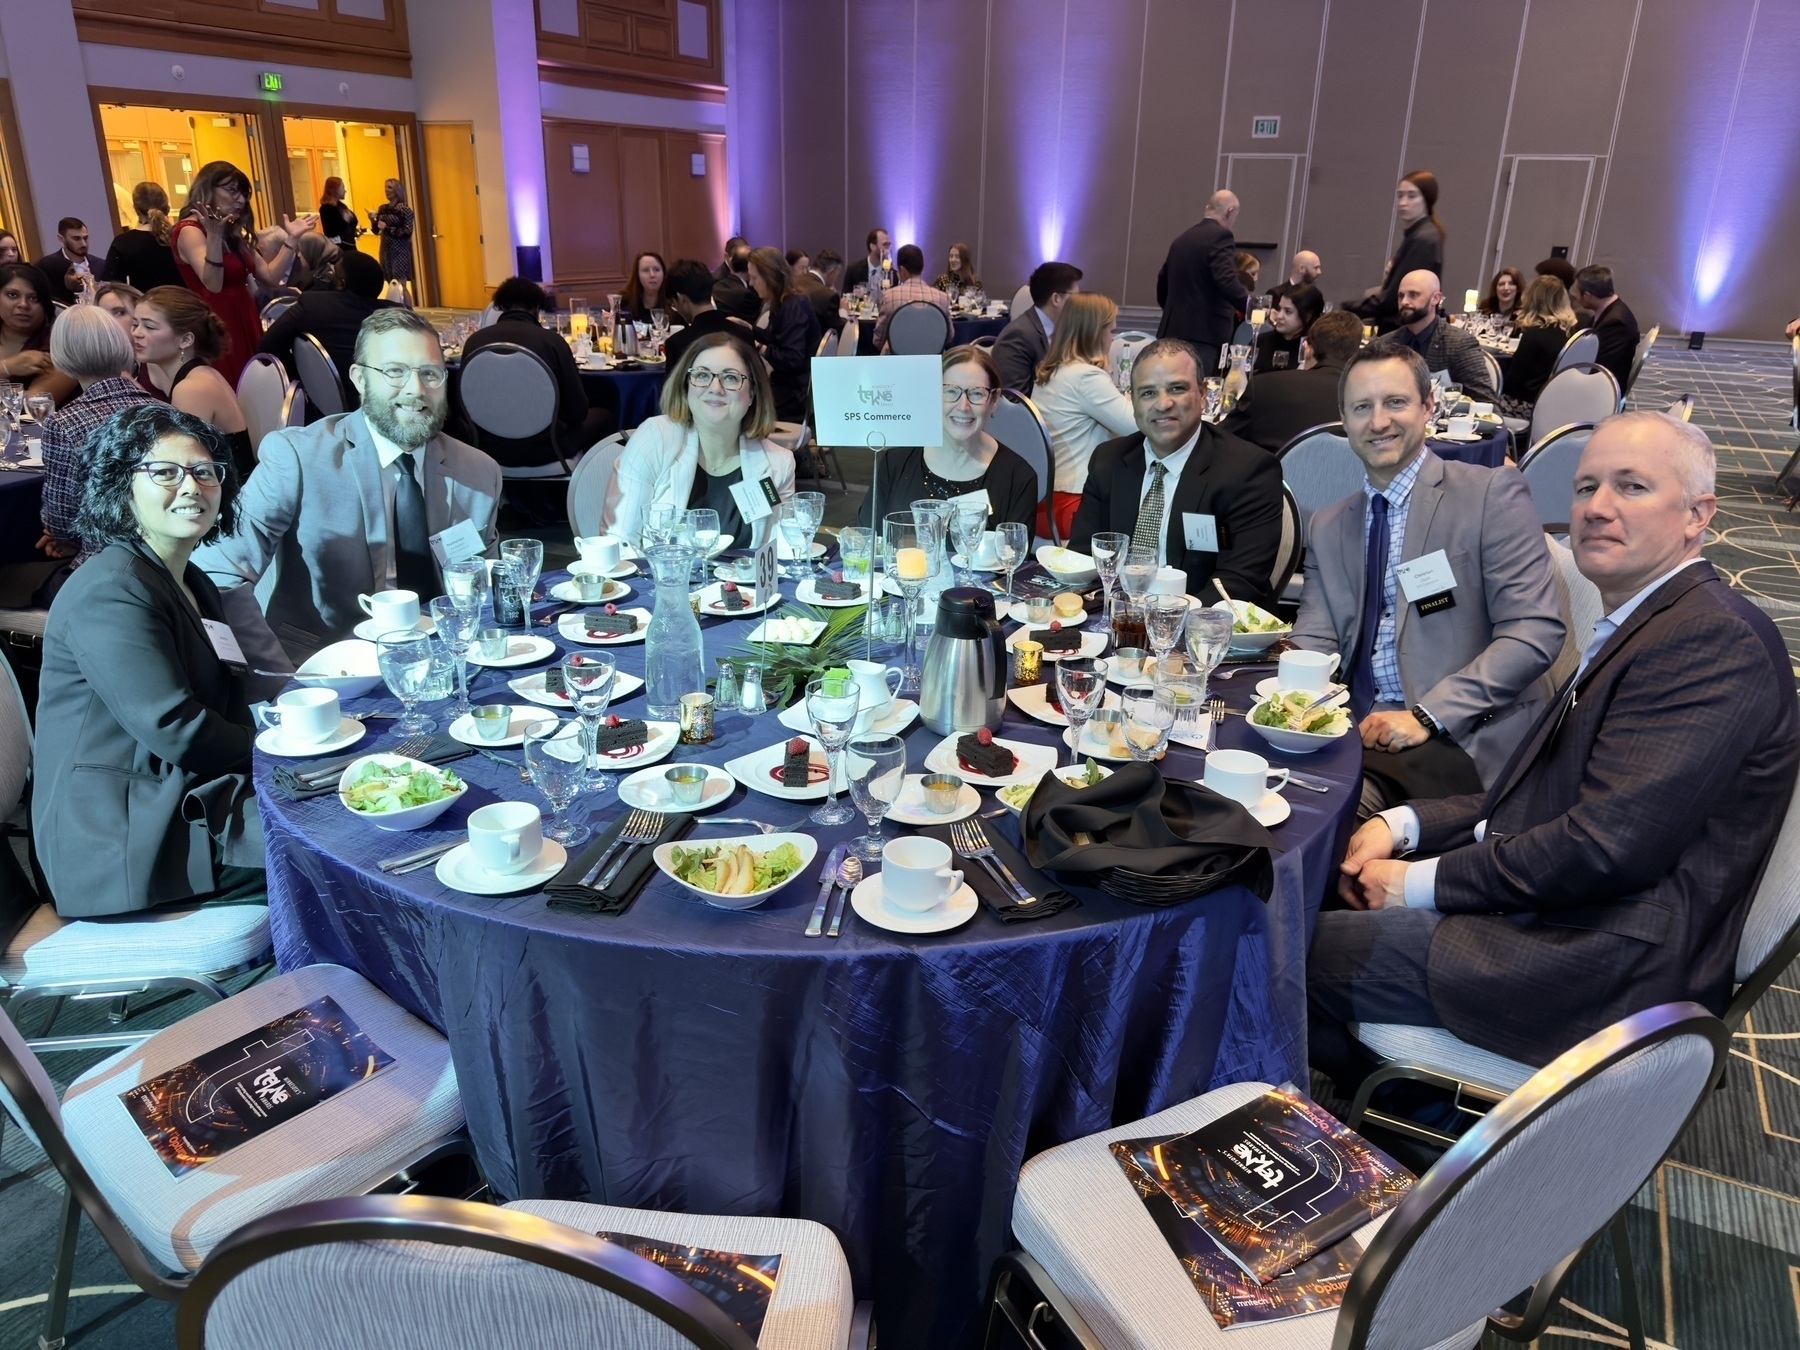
(657, 469)
(1082, 408)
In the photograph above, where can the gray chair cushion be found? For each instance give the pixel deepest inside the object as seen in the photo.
(1435, 1048)
(50, 949)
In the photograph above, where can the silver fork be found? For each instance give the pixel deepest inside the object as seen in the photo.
(411, 747)
(971, 841)
(641, 827)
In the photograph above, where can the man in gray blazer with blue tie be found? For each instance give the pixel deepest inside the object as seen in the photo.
(351, 505)
(1447, 663)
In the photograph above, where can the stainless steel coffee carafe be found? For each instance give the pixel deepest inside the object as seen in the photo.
(964, 682)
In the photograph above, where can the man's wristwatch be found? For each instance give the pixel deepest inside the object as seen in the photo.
(1426, 720)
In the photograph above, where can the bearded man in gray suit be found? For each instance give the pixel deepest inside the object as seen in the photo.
(353, 504)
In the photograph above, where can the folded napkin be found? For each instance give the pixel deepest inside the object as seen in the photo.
(288, 777)
(1138, 820)
(1000, 900)
(565, 890)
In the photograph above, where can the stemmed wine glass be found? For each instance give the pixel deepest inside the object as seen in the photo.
(913, 559)
(1108, 550)
(832, 705)
(1149, 718)
(456, 627)
(405, 663)
(1208, 635)
(1015, 541)
(527, 558)
(466, 584)
(1163, 617)
(588, 679)
(701, 529)
(40, 406)
(801, 516)
(1082, 682)
(967, 524)
(661, 522)
(877, 770)
(555, 757)
(1138, 572)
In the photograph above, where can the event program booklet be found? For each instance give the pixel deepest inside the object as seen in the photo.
(741, 1285)
(204, 1108)
(1274, 1182)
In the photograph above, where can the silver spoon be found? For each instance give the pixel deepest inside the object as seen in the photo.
(849, 874)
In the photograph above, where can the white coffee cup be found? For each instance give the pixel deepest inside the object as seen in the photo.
(1481, 409)
(506, 836)
(601, 551)
(1241, 776)
(987, 552)
(876, 686)
(1307, 671)
(303, 716)
(1462, 425)
(916, 874)
(392, 611)
(1169, 581)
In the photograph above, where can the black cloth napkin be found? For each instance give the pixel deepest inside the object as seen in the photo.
(1000, 900)
(565, 890)
(288, 777)
(1139, 820)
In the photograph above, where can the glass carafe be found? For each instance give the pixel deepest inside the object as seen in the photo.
(674, 655)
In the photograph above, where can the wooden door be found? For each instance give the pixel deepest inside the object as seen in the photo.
(456, 242)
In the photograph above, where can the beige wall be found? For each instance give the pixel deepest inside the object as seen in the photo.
(1660, 137)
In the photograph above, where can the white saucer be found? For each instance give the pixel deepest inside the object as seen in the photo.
(349, 732)
(711, 597)
(960, 561)
(565, 591)
(531, 688)
(457, 870)
(1017, 613)
(807, 594)
(872, 909)
(521, 650)
(463, 728)
(785, 554)
(368, 632)
(910, 809)
(619, 572)
(1092, 644)
(571, 629)
(900, 715)
(1459, 440)
(648, 790)
(1272, 809)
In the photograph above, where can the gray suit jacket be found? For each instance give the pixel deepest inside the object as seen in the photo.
(1479, 667)
(312, 527)
(1019, 349)
(1451, 349)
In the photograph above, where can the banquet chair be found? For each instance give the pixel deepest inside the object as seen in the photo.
(1581, 600)
(1496, 376)
(1794, 416)
(1320, 468)
(319, 376)
(261, 390)
(410, 1271)
(280, 305)
(848, 337)
(1579, 394)
(1549, 469)
(1638, 358)
(1682, 408)
(1514, 1204)
(1580, 350)
(918, 328)
(1292, 548)
(1021, 302)
(1016, 423)
(828, 343)
(1244, 335)
(508, 392)
(382, 1132)
(593, 488)
(1123, 351)
(293, 406)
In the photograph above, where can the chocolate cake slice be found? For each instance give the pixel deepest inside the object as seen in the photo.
(608, 623)
(1053, 693)
(553, 682)
(796, 771)
(979, 754)
(838, 590)
(730, 597)
(1056, 638)
(617, 735)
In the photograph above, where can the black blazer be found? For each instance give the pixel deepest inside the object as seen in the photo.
(143, 741)
(1271, 342)
(1281, 404)
(857, 274)
(1625, 835)
(789, 342)
(1198, 286)
(1421, 248)
(1617, 329)
(1011, 484)
(521, 327)
(824, 301)
(138, 260)
(1227, 478)
(1019, 350)
(55, 267)
(1529, 370)
(333, 317)
(706, 321)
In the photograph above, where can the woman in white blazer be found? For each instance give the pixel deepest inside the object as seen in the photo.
(717, 410)
(1074, 393)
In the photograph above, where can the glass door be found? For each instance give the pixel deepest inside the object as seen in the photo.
(168, 145)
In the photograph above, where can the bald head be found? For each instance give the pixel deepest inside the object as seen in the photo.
(1222, 206)
(1305, 269)
(1418, 300)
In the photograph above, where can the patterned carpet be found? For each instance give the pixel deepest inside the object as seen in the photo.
(1716, 1234)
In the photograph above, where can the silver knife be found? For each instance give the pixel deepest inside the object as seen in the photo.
(815, 926)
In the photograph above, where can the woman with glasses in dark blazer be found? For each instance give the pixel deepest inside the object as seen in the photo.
(143, 793)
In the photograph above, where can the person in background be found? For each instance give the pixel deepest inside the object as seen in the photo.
(120, 302)
(1080, 404)
(337, 222)
(734, 246)
(1613, 323)
(333, 315)
(69, 267)
(874, 270)
(393, 221)
(1249, 274)
(791, 337)
(1421, 249)
(961, 271)
(798, 260)
(828, 267)
(9, 248)
(969, 460)
(519, 303)
(141, 256)
(909, 265)
(271, 245)
(691, 288)
(1564, 271)
(1296, 310)
(1025, 341)
(1503, 294)
(1544, 322)
(1280, 404)
(213, 252)
(717, 412)
(1444, 346)
(1198, 287)
(819, 292)
(315, 264)
(1306, 269)
(26, 320)
(646, 288)
(737, 297)
(177, 338)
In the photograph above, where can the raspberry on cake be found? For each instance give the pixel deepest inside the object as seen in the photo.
(618, 735)
(608, 622)
(978, 753)
(796, 770)
(730, 597)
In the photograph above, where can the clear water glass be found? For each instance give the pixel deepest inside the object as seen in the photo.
(796, 537)
(40, 406)
(1107, 551)
(556, 758)
(1015, 543)
(1208, 634)
(967, 525)
(832, 706)
(701, 529)
(1163, 618)
(1081, 680)
(1149, 718)
(856, 547)
(662, 522)
(876, 766)
(588, 679)
(466, 584)
(913, 556)
(405, 663)
(1138, 572)
(456, 630)
(526, 555)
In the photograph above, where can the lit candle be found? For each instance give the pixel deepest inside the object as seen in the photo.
(909, 564)
(578, 323)
(1471, 301)
(1258, 317)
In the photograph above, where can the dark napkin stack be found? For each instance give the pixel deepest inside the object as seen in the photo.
(442, 750)
(565, 890)
(1000, 900)
(1139, 821)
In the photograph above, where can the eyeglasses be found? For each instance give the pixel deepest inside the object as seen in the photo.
(729, 380)
(165, 473)
(432, 377)
(978, 398)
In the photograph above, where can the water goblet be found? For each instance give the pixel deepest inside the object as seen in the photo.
(1208, 634)
(1163, 618)
(1185, 683)
(405, 663)
(1015, 542)
(1081, 680)
(588, 680)
(876, 766)
(456, 627)
(1149, 718)
(1108, 552)
(466, 584)
(527, 555)
(856, 547)
(1138, 571)
(967, 525)
(40, 406)
(557, 761)
(832, 706)
(661, 522)
(700, 529)
(913, 559)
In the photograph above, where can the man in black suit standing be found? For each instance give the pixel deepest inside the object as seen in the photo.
(1022, 344)
(1204, 500)
(1614, 323)
(1609, 867)
(1198, 287)
(1280, 404)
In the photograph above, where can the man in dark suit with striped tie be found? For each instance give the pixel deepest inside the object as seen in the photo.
(1610, 865)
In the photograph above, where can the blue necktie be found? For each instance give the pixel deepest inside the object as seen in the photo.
(1375, 560)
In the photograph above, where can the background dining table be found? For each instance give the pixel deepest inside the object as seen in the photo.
(964, 329)
(682, 1057)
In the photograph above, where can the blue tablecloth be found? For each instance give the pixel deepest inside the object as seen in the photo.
(21, 521)
(962, 331)
(685, 1058)
(632, 396)
(1489, 450)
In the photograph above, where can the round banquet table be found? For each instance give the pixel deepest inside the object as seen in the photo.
(680, 1057)
(632, 396)
(1488, 449)
(962, 331)
(21, 522)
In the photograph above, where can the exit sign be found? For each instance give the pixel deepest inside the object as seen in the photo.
(1265, 128)
(269, 81)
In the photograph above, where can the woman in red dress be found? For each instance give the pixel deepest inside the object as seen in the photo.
(215, 255)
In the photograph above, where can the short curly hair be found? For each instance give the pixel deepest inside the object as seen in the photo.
(113, 454)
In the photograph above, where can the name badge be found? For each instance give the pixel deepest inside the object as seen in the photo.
(224, 642)
(459, 543)
(1427, 579)
(979, 497)
(1200, 532)
(755, 499)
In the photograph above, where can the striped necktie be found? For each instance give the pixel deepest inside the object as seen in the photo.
(1147, 534)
